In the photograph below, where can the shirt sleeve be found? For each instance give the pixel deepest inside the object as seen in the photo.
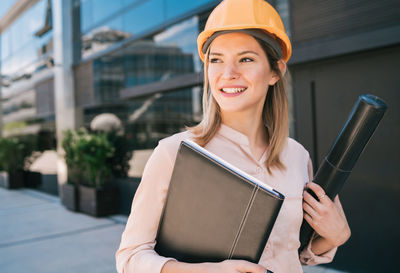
(307, 257)
(136, 251)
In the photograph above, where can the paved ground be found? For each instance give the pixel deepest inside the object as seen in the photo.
(38, 235)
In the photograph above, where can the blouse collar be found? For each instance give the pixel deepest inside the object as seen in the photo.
(240, 139)
(233, 135)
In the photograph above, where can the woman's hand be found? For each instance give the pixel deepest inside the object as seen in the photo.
(227, 266)
(325, 217)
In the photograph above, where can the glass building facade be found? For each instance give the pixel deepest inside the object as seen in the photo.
(136, 59)
(27, 108)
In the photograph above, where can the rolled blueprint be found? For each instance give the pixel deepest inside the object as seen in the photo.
(345, 151)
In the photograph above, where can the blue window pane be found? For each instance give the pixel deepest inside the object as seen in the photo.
(143, 17)
(128, 2)
(104, 8)
(18, 36)
(35, 18)
(86, 15)
(24, 28)
(5, 44)
(176, 8)
(6, 66)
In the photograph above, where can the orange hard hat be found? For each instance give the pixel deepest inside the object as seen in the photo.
(252, 16)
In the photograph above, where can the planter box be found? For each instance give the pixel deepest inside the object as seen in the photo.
(98, 202)
(12, 180)
(32, 179)
(70, 197)
(126, 191)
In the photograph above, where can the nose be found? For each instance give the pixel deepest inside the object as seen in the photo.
(230, 72)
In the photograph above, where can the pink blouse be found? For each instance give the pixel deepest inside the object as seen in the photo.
(136, 252)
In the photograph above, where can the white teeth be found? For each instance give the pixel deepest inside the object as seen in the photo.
(233, 90)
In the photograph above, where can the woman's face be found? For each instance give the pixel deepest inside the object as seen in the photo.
(239, 73)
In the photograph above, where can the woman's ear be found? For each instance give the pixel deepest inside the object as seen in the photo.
(282, 68)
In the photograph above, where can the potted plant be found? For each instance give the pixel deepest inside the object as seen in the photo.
(13, 155)
(69, 191)
(87, 161)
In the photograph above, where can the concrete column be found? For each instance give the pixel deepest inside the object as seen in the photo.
(283, 8)
(1, 95)
(1, 112)
(1, 101)
(67, 115)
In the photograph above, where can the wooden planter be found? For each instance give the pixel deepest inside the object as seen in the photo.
(12, 180)
(70, 196)
(98, 202)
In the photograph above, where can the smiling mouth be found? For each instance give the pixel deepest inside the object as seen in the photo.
(233, 90)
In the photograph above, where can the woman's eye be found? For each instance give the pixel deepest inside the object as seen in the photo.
(245, 60)
(215, 60)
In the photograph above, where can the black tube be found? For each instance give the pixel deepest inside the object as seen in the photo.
(345, 151)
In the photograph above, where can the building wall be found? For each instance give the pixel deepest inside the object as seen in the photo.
(370, 196)
(325, 19)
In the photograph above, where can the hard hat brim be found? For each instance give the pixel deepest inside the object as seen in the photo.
(280, 36)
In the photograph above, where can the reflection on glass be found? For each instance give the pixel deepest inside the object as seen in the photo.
(104, 8)
(86, 15)
(146, 61)
(24, 28)
(155, 58)
(20, 107)
(184, 36)
(157, 116)
(151, 118)
(175, 8)
(144, 16)
(5, 44)
(30, 114)
(22, 52)
(102, 37)
(163, 56)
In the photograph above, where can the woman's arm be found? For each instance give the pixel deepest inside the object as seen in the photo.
(136, 252)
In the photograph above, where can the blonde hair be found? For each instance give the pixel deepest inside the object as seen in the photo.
(275, 113)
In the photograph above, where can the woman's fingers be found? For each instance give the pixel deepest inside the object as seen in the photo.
(319, 192)
(311, 201)
(309, 220)
(309, 210)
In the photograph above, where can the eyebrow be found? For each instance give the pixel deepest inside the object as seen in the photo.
(241, 53)
(248, 51)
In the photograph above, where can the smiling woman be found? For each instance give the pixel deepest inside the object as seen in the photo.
(245, 122)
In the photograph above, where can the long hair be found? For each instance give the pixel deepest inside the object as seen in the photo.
(275, 114)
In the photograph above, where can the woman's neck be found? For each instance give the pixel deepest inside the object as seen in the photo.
(252, 127)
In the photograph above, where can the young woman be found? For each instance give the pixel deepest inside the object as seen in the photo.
(245, 49)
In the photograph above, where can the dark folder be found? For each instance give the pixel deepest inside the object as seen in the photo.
(214, 211)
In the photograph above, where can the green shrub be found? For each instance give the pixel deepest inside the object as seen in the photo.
(14, 154)
(87, 155)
